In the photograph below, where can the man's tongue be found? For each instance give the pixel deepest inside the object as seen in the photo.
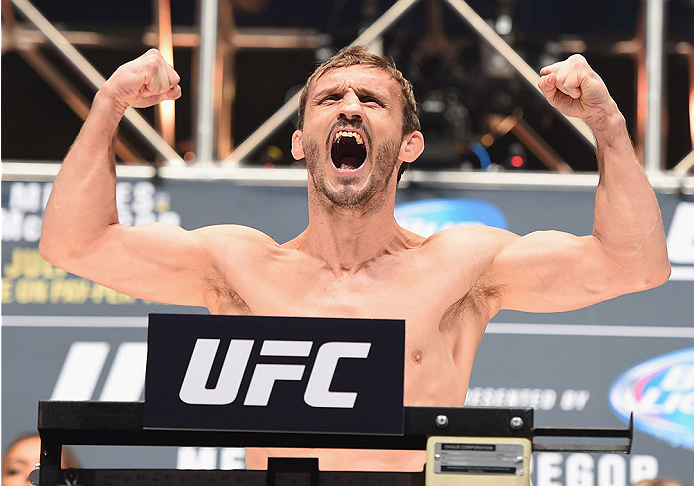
(347, 153)
(349, 163)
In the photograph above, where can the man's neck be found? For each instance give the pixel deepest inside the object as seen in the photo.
(348, 240)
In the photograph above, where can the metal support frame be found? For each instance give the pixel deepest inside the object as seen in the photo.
(27, 40)
(55, 79)
(685, 165)
(204, 136)
(666, 183)
(637, 50)
(165, 111)
(653, 146)
(73, 98)
(183, 36)
(94, 78)
(654, 58)
(377, 28)
(120, 423)
(527, 73)
(225, 79)
(521, 129)
(689, 49)
(291, 106)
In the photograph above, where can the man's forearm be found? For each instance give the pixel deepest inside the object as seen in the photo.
(83, 200)
(628, 221)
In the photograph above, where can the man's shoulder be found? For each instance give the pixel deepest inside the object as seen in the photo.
(473, 234)
(469, 246)
(231, 236)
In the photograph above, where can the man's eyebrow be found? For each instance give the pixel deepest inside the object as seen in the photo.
(360, 91)
(330, 89)
(365, 91)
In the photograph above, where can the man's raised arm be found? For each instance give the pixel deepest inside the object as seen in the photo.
(554, 271)
(81, 233)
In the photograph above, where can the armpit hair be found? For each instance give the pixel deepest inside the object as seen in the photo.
(220, 290)
(474, 304)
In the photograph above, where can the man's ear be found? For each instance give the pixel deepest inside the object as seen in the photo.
(412, 146)
(297, 146)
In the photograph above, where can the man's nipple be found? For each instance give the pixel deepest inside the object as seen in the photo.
(417, 356)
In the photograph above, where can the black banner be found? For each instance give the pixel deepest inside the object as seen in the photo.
(281, 374)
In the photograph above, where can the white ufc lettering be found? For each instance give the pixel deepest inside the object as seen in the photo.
(265, 375)
(193, 389)
(318, 392)
(194, 392)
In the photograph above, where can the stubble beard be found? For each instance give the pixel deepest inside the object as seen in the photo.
(348, 196)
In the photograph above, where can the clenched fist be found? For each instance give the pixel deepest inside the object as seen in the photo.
(143, 82)
(572, 87)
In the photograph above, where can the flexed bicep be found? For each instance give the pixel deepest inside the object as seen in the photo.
(553, 271)
(162, 262)
(158, 262)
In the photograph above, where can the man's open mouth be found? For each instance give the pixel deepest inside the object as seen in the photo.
(348, 150)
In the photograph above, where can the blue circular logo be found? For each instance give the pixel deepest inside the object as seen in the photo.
(431, 215)
(660, 392)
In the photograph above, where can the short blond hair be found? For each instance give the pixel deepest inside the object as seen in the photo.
(358, 55)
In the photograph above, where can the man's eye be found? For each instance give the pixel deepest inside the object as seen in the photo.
(370, 99)
(333, 97)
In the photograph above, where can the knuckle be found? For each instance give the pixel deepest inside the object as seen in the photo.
(152, 65)
(580, 62)
(121, 69)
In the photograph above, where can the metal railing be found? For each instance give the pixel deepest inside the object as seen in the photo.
(94, 78)
(664, 182)
(381, 25)
(228, 168)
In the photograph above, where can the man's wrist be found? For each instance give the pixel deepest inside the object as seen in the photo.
(106, 102)
(608, 125)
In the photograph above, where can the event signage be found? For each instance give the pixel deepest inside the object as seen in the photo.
(660, 392)
(274, 374)
(428, 216)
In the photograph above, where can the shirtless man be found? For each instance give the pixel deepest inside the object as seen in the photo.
(353, 260)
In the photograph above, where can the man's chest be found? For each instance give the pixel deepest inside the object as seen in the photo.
(436, 305)
(351, 298)
(442, 324)
(386, 293)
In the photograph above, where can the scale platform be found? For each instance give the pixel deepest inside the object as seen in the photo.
(465, 446)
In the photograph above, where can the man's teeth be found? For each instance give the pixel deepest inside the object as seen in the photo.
(344, 133)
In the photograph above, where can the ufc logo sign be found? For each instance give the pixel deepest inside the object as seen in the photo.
(317, 394)
(279, 374)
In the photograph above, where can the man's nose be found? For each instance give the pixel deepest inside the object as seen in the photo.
(351, 107)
